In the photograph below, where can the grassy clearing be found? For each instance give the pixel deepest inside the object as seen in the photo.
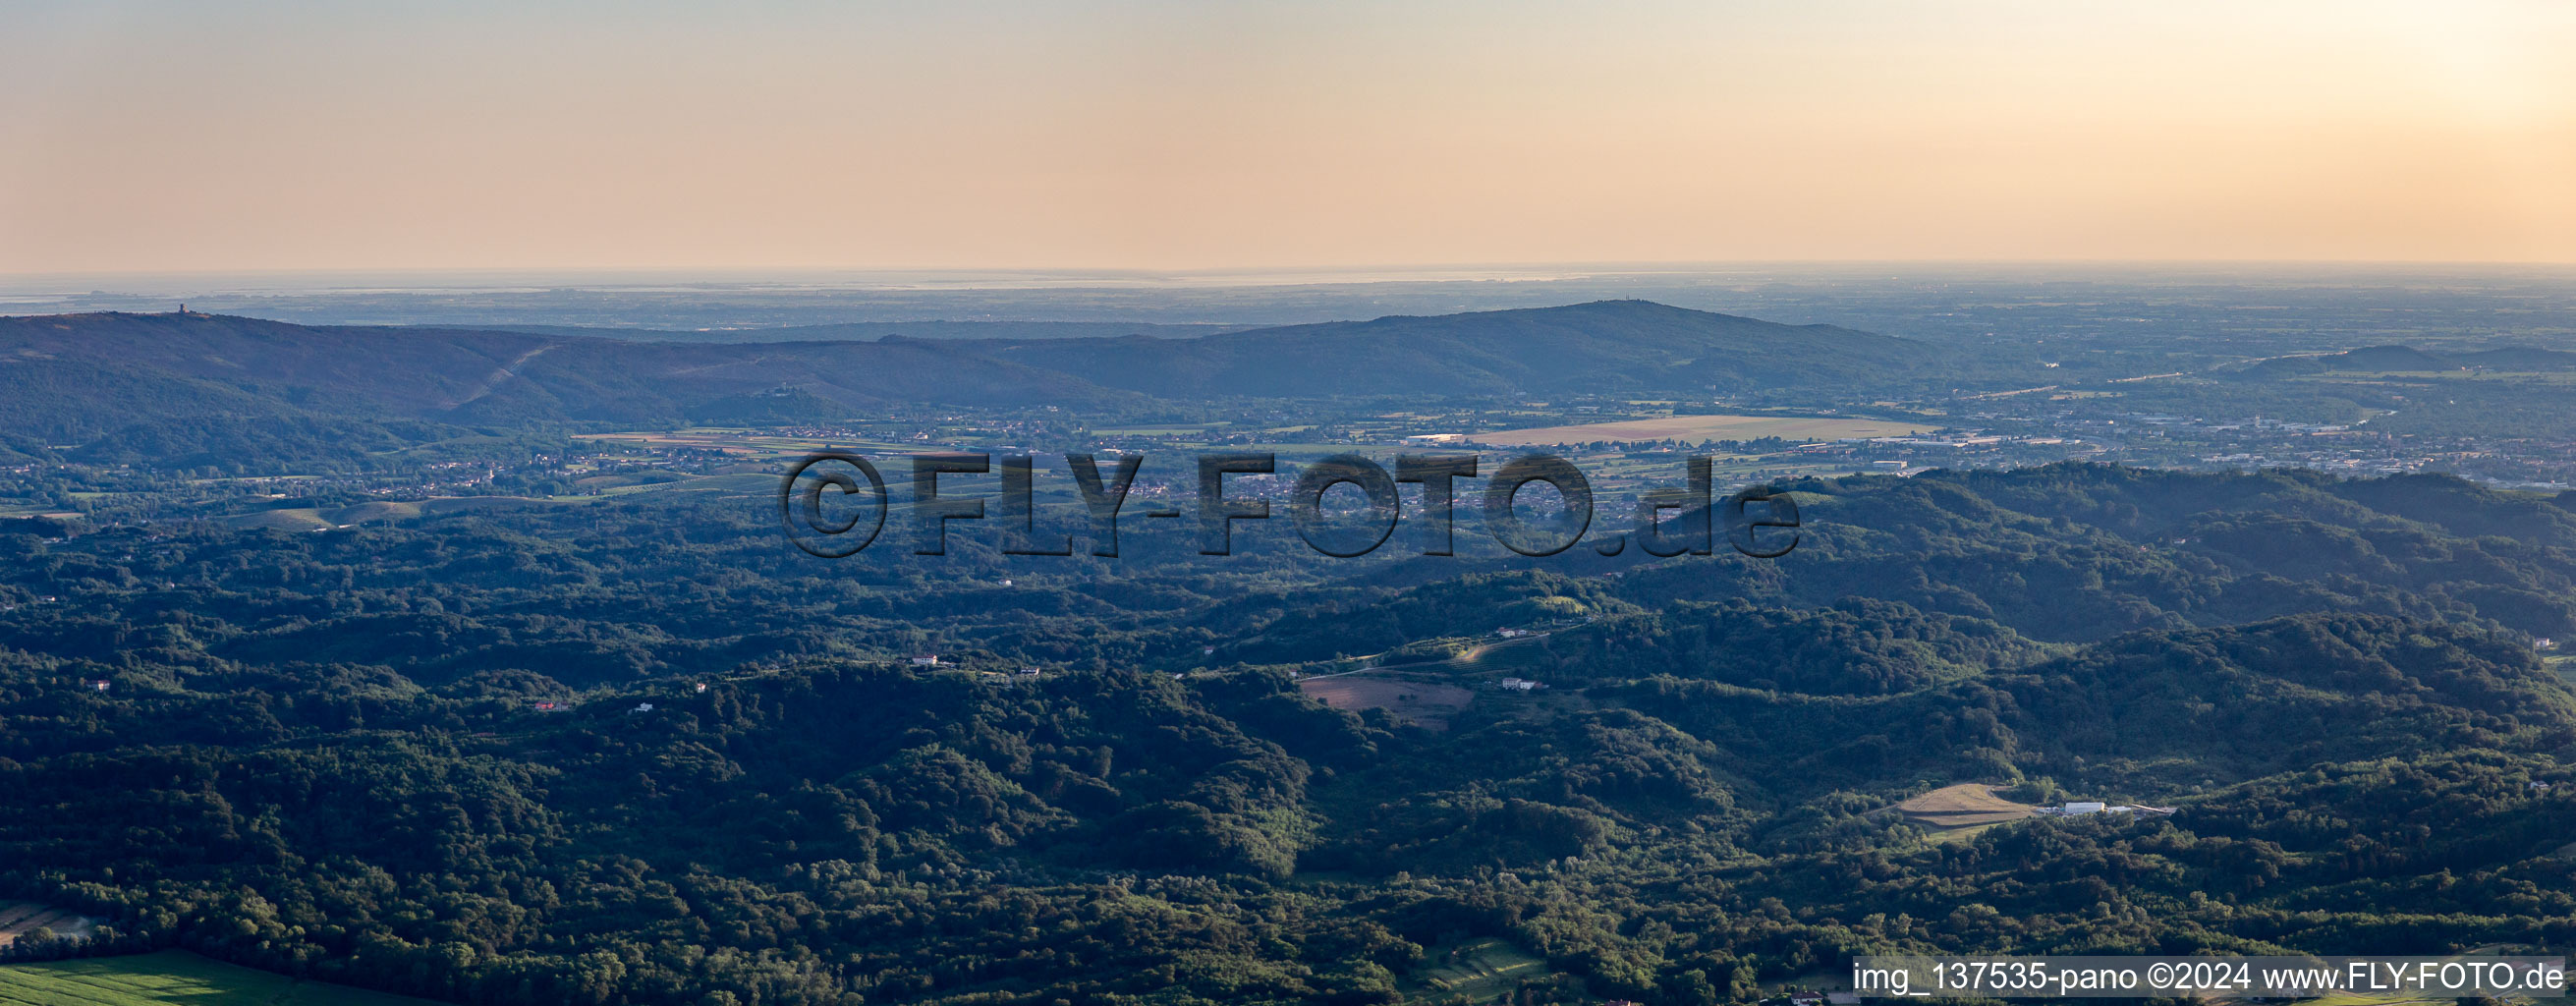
(171, 978)
(301, 519)
(312, 519)
(1481, 970)
(1961, 835)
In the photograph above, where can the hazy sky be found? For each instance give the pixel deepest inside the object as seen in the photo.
(266, 135)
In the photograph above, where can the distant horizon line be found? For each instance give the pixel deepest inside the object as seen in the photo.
(1275, 275)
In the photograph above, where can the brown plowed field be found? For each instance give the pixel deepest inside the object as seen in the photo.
(1430, 706)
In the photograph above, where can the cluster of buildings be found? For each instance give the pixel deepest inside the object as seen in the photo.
(1803, 997)
(2076, 808)
(1022, 676)
(2197, 443)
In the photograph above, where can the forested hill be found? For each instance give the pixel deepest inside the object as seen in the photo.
(2407, 359)
(1603, 347)
(77, 378)
(466, 756)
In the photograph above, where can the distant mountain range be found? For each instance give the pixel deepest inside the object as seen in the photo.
(1604, 347)
(2408, 359)
(869, 331)
(73, 379)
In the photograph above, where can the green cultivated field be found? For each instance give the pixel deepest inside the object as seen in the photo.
(174, 977)
(1480, 970)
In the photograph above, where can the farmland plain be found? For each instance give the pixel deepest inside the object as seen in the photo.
(1713, 427)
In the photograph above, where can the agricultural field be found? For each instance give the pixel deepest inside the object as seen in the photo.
(1479, 970)
(1421, 703)
(1697, 428)
(1967, 805)
(17, 918)
(171, 978)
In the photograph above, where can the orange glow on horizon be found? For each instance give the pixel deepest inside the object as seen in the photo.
(1164, 136)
